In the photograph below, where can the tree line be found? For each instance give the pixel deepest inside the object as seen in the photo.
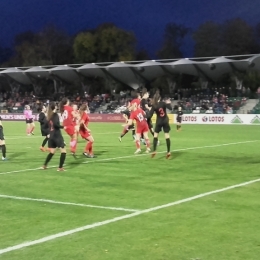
(108, 43)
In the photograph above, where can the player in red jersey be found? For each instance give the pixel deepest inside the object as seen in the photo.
(76, 112)
(138, 115)
(85, 132)
(76, 118)
(136, 101)
(69, 122)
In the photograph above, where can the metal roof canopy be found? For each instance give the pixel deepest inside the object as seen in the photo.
(132, 73)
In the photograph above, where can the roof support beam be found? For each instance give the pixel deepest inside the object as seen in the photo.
(138, 74)
(166, 70)
(109, 75)
(201, 73)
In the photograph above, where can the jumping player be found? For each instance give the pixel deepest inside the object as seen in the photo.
(44, 127)
(136, 101)
(85, 132)
(138, 115)
(179, 118)
(69, 122)
(56, 140)
(29, 120)
(2, 141)
(144, 105)
(162, 122)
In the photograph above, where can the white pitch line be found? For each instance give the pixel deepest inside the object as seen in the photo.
(128, 216)
(138, 155)
(39, 136)
(25, 170)
(66, 203)
(177, 150)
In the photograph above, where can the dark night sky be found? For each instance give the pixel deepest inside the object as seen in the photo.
(146, 18)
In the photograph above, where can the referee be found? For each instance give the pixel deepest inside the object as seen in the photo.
(179, 118)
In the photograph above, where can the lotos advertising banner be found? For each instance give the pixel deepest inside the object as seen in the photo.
(224, 119)
(106, 118)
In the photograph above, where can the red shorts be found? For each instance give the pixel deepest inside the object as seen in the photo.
(70, 130)
(140, 129)
(84, 134)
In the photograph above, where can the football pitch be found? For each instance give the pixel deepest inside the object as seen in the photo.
(202, 204)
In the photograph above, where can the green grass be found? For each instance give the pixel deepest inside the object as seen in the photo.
(219, 226)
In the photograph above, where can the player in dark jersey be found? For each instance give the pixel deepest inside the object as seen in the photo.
(126, 115)
(2, 141)
(146, 108)
(162, 122)
(56, 139)
(44, 127)
(179, 118)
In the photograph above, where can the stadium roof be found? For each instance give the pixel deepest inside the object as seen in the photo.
(136, 72)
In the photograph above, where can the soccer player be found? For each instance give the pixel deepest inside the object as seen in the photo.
(138, 115)
(76, 113)
(44, 127)
(29, 120)
(162, 122)
(85, 132)
(126, 115)
(136, 101)
(69, 122)
(144, 105)
(2, 141)
(56, 140)
(179, 118)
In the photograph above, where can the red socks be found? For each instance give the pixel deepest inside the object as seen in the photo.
(89, 148)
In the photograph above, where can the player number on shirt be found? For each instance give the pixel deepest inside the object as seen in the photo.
(140, 117)
(162, 114)
(65, 115)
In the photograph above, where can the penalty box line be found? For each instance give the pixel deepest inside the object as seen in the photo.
(113, 220)
(176, 150)
(137, 155)
(66, 203)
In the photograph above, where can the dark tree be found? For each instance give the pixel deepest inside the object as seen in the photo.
(50, 46)
(107, 43)
(173, 39)
(207, 40)
(237, 38)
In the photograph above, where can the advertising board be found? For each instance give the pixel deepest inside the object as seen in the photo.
(107, 118)
(219, 119)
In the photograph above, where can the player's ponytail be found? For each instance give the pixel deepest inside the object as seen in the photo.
(63, 102)
(156, 99)
(51, 109)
